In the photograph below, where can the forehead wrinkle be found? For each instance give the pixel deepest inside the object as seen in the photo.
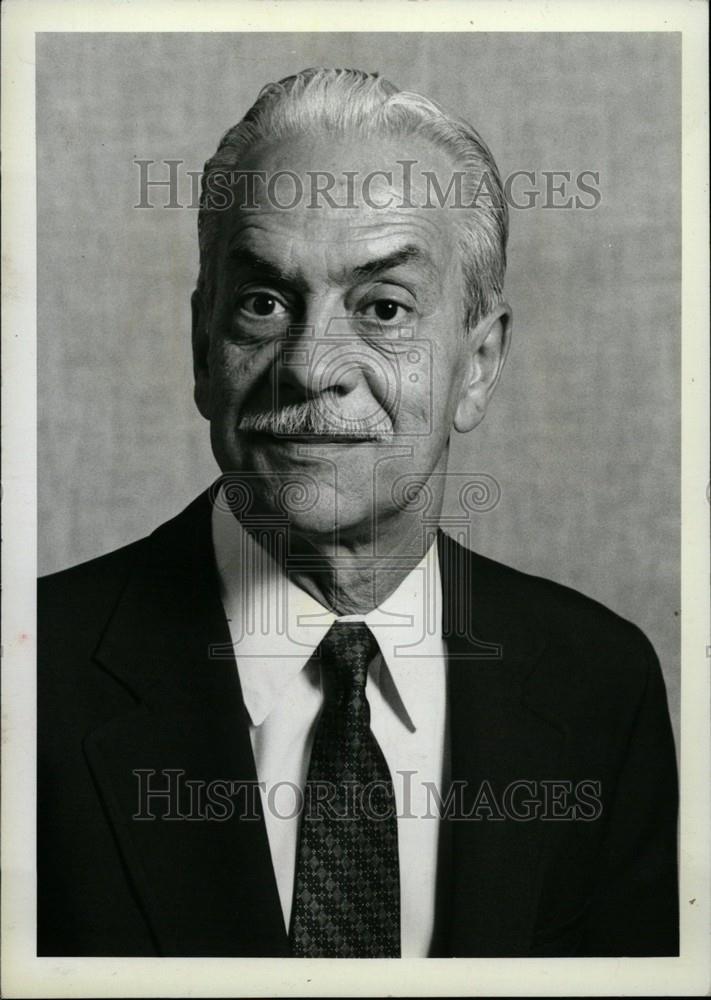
(384, 239)
(357, 218)
(355, 215)
(433, 220)
(412, 234)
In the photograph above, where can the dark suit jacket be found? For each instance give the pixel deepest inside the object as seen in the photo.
(544, 685)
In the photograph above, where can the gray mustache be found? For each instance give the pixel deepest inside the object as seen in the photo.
(315, 419)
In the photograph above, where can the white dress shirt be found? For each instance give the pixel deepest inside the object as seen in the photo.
(275, 627)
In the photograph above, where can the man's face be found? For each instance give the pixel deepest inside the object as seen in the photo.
(337, 356)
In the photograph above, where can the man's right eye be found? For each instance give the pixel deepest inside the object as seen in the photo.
(261, 305)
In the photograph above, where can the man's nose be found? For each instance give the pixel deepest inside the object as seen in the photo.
(323, 354)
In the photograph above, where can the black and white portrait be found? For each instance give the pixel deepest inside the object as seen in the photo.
(359, 378)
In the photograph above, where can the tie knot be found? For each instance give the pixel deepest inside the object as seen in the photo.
(346, 651)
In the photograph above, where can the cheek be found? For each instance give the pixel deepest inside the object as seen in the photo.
(233, 372)
(448, 381)
(430, 387)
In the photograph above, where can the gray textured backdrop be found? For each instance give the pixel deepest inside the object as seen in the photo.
(583, 436)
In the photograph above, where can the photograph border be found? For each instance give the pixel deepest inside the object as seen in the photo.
(26, 975)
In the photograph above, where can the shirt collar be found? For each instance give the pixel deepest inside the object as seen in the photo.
(276, 626)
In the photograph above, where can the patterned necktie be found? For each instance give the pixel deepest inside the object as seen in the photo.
(347, 883)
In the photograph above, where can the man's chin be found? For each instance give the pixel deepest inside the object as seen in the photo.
(319, 526)
(285, 452)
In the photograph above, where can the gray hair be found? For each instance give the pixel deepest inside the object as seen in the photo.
(344, 101)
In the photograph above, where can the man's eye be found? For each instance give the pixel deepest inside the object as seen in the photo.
(261, 304)
(385, 310)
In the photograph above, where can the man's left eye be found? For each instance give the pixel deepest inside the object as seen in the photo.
(385, 310)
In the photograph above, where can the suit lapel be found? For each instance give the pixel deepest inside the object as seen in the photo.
(500, 733)
(206, 884)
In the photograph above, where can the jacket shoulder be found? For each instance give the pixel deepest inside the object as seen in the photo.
(567, 617)
(95, 580)
(593, 659)
(74, 605)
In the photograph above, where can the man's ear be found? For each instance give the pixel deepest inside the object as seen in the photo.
(201, 354)
(485, 351)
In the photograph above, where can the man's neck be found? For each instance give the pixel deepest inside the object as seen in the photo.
(352, 574)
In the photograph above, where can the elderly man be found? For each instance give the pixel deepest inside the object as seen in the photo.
(299, 719)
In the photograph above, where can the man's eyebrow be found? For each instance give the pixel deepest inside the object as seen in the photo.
(404, 255)
(245, 257)
(251, 259)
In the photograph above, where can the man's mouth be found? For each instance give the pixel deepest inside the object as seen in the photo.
(330, 437)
